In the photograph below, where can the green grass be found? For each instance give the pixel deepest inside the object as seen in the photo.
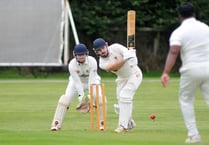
(27, 107)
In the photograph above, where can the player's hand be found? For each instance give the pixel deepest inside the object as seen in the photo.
(165, 79)
(80, 98)
(83, 107)
(83, 98)
(129, 54)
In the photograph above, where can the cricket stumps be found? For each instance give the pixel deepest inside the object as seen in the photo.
(97, 106)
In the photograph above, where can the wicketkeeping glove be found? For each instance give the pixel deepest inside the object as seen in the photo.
(83, 107)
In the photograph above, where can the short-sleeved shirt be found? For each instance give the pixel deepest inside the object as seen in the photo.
(193, 37)
(116, 52)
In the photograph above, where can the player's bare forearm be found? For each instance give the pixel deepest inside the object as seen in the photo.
(171, 58)
(170, 61)
(115, 66)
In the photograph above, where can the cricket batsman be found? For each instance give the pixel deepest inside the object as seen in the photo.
(117, 59)
(83, 72)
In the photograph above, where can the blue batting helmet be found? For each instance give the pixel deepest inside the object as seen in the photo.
(80, 49)
(98, 43)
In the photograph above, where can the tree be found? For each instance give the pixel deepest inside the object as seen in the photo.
(107, 18)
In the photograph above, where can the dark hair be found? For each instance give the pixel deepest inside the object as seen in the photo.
(186, 10)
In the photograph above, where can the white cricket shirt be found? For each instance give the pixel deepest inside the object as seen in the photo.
(116, 52)
(193, 37)
(83, 73)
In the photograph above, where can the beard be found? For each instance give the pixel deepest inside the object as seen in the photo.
(105, 54)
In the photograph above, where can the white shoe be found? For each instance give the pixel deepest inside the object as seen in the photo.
(55, 127)
(101, 126)
(193, 139)
(116, 108)
(120, 129)
(131, 124)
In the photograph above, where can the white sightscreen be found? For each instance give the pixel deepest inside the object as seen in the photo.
(31, 32)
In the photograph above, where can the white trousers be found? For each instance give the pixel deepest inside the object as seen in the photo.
(66, 99)
(126, 89)
(190, 80)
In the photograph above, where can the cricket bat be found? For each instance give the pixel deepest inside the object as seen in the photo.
(131, 24)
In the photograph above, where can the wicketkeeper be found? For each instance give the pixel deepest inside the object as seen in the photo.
(83, 72)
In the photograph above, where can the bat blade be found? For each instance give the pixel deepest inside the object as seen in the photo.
(131, 20)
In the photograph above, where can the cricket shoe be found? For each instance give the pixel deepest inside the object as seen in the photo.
(120, 129)
(55, 126)
(102, 126)
(116, 108)
(193, 139)
(131, 124)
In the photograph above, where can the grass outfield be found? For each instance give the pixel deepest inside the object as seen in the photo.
(27, 108)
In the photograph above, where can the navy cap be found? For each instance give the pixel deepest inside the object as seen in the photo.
(98, 43)
(80, 49)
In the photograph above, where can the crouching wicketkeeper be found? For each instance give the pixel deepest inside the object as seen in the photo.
(83, 72)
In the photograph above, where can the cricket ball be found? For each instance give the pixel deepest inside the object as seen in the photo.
(152, 116)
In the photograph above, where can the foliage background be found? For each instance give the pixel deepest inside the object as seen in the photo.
(99, 18)
(155, 21)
